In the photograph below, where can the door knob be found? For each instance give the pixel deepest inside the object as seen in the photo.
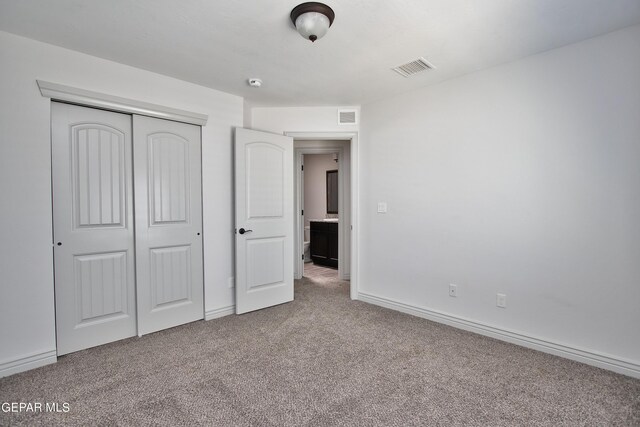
(242, 231)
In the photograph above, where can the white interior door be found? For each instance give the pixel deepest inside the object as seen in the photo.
(169, 265)
(93, 227)
(264, 219)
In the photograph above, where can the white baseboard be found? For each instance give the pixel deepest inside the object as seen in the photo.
(600, 360)
(27, 362)
(219, 312)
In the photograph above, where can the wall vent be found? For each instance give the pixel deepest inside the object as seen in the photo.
(413, 67)
(347, 116)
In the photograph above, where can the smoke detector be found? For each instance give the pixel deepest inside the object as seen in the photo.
(255, 82)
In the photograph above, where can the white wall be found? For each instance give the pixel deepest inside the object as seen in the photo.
(315, 185)
(26, 290)
(522, 179)
(246, 115)
(299, 119)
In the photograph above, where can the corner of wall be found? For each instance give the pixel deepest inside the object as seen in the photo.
(247, 114)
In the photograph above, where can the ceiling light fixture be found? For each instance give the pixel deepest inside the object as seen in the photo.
(312, 19)
(255, 82)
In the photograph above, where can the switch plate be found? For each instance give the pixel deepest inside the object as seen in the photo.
(382, 207)
(453, 290)
(501, 300)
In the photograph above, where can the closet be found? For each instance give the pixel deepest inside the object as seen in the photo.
(127, 217)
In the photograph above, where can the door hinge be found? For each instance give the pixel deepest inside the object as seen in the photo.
(302, 213)
(303, 257)
(302, 167)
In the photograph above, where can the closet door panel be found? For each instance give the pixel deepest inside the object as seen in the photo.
(168, 223)
(93, 227)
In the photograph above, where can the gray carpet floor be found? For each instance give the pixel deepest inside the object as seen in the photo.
(322, 360)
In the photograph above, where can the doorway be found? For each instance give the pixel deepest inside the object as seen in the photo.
(266, 164)
(331, 155)
(320, 212)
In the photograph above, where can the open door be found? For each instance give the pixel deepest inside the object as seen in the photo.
(264, 219)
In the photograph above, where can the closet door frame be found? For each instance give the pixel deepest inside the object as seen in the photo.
(97, 100)
(102, 101)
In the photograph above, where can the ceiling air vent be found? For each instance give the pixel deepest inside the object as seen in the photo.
(347, 116)
(413, 67)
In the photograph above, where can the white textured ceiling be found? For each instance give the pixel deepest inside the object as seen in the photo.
(220, 44)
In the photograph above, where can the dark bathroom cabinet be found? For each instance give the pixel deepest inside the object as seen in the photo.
(324, 243)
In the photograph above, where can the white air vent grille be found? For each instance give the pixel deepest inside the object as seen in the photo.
(347, 116)
(413, 67)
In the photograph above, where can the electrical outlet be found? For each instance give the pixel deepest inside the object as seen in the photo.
(501, 300)
(231, 282)
(453, 290)
(382, 207)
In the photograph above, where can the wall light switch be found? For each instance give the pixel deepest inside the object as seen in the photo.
(231, 282)
(501, 300)
(382, 207)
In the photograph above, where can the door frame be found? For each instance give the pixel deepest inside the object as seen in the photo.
(325, 146)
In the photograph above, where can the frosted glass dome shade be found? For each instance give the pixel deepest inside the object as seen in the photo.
(312, 19)
(312, 25)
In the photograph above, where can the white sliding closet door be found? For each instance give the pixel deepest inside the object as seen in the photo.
(124, 263)
(168, 201)
(93, 227)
